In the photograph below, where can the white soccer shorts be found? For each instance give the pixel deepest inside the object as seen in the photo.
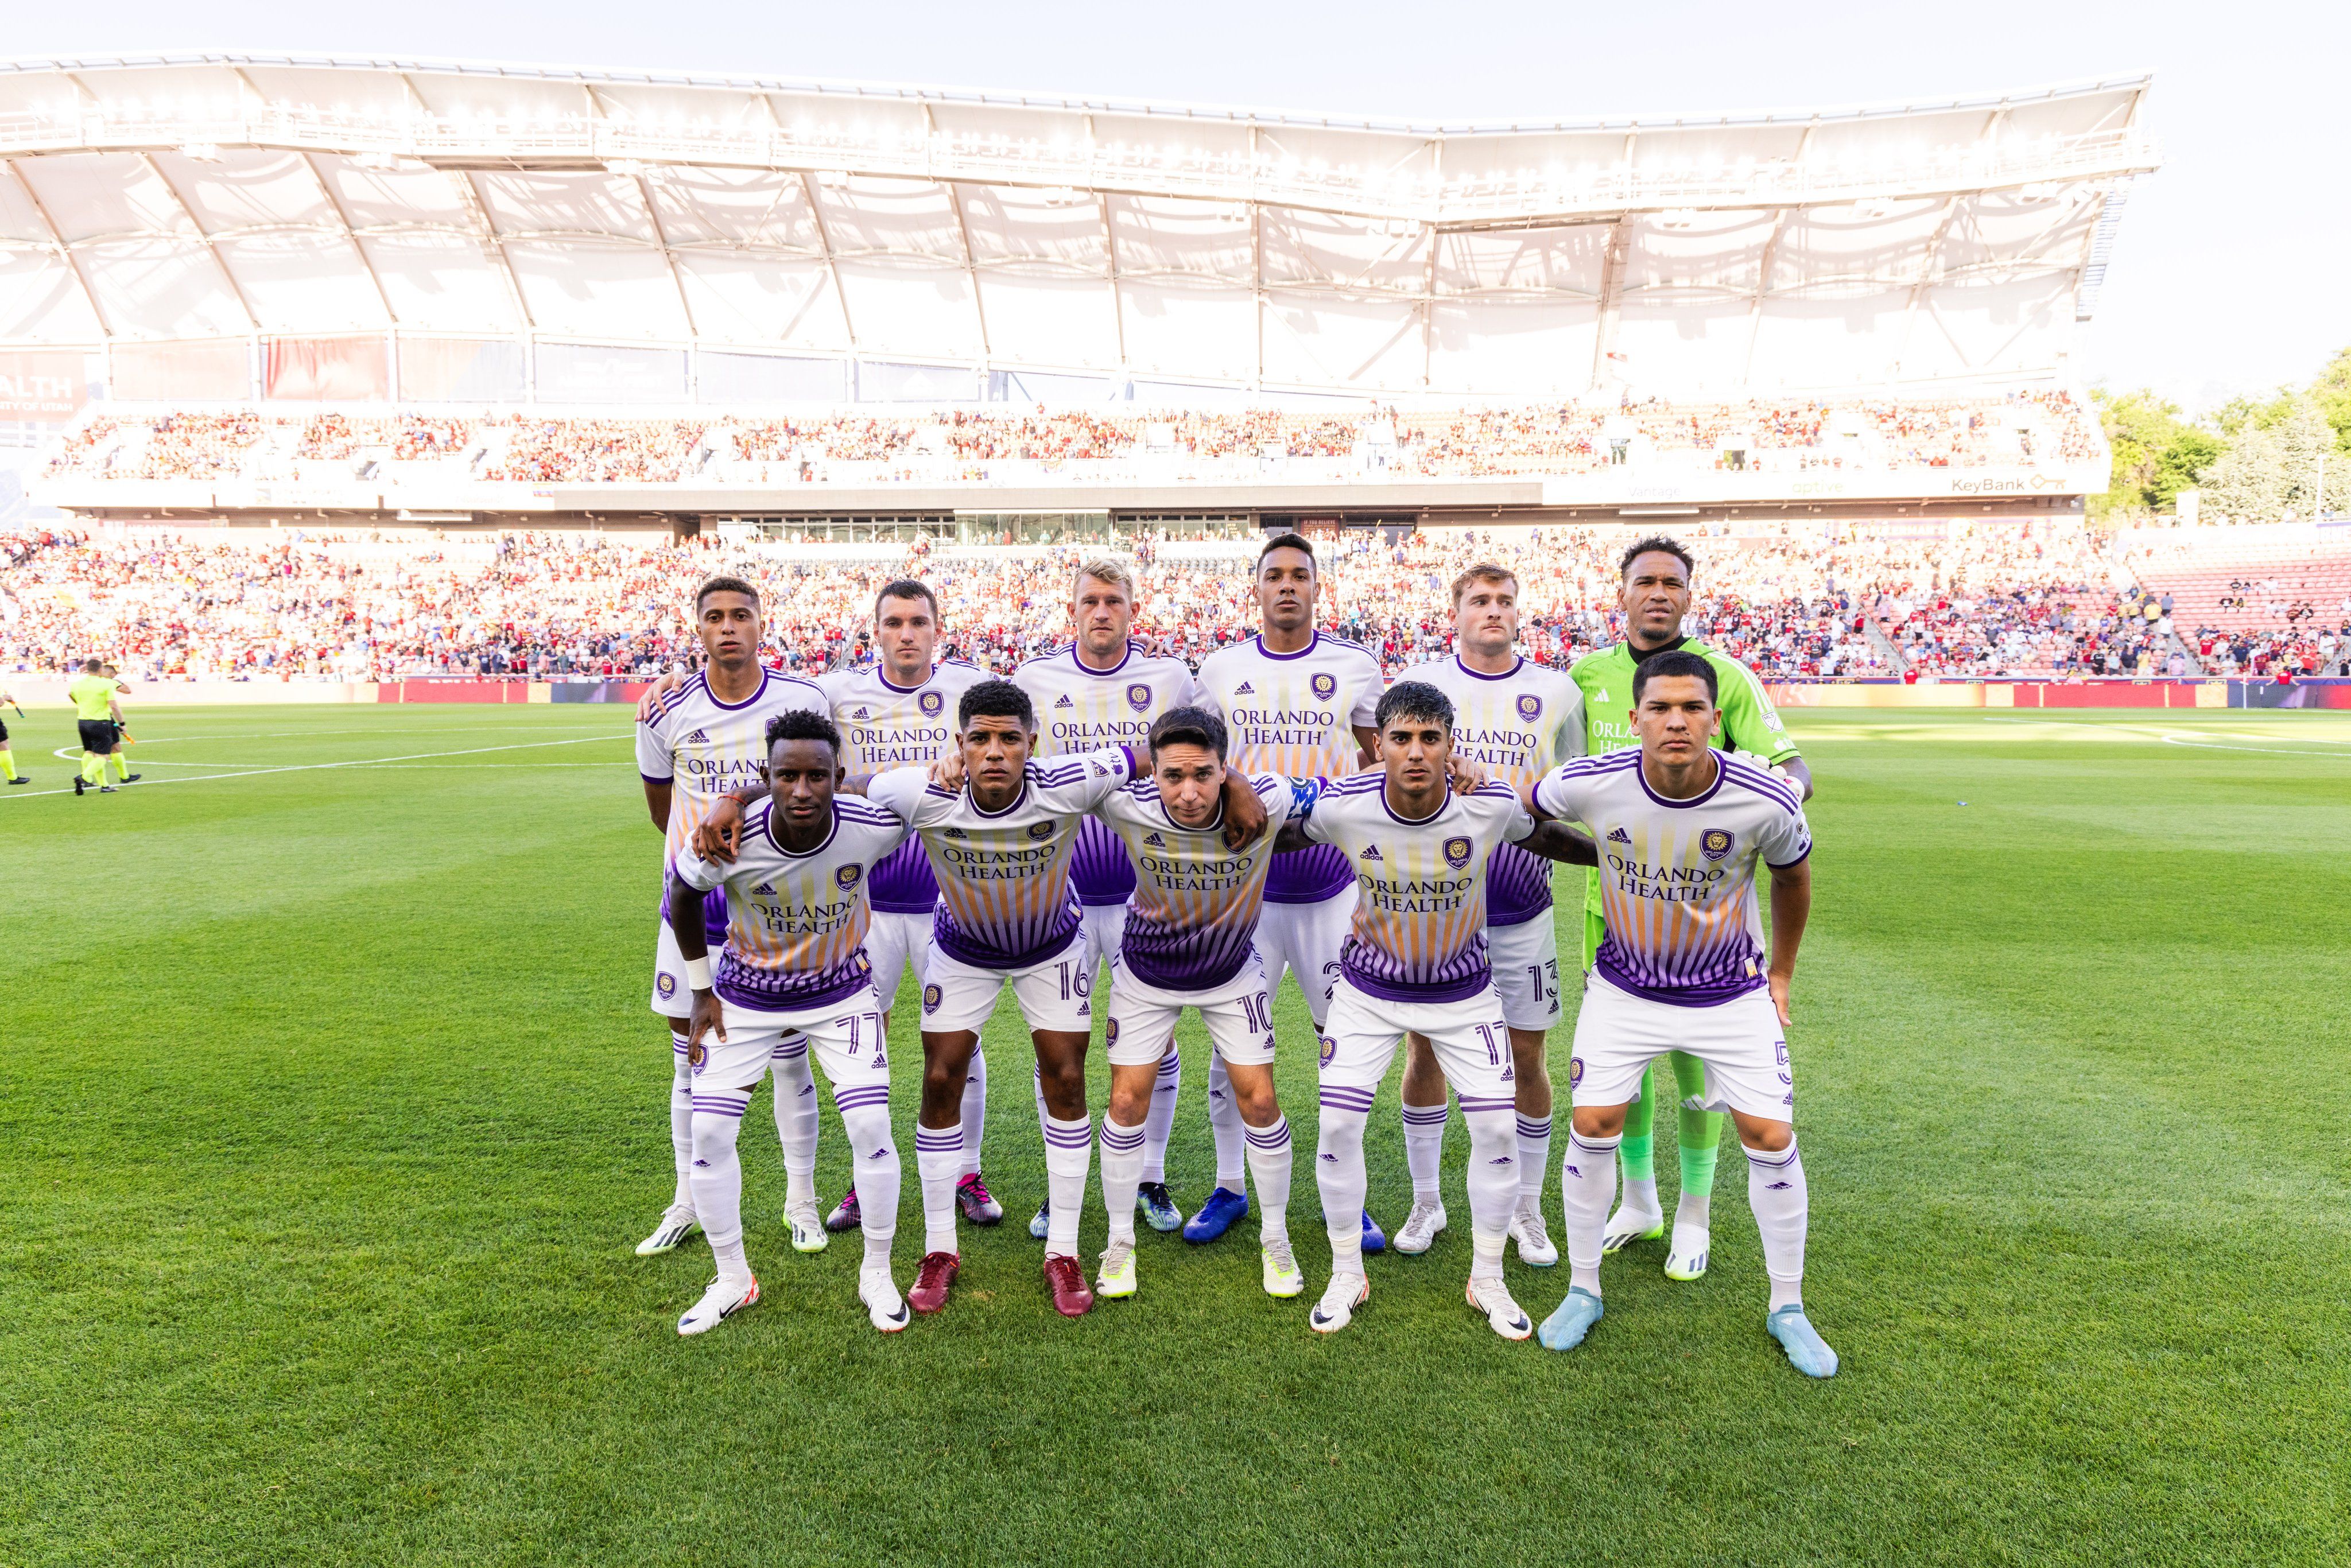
(1618, 1034)
(1526, 970)
(1238, 1015)
(1104, 928)
(1056, 994)
(671, 998)
(1303, 940)
(846, 1035)
(895, 943)
(1471, 1042)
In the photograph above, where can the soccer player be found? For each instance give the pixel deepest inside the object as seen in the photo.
(701, 740)
(120, 755)
(998, 844)
(1516, 720)
(1105, 690)
(1415, 959)
(1682, 828)
(92, 696)
(897, 711)
(1656, 597)
(1189, 941)
(7, 756)
(794, 968)
(1299, 705)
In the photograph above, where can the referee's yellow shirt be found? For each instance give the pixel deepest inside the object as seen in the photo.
(92, 696)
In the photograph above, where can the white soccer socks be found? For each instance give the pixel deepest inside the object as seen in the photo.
(1225, 1125)
(974, 1112)
(681, 1122)
(938, 1164)
(796, 1117)
(1424, 1148)
(1268, 1167)
(1776, 1191)
(1338, 1173)
(1587, 1185)
(1534, 1154)
(1122, 1173)
(718, 1178)
(874, 1164)
(1160, 1120)
(1069, 1156)
(1492, 1179)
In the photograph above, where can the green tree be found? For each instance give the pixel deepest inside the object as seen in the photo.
(2157, 453)
(2332, 392)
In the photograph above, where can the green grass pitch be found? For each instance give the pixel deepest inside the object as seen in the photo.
(332, 1109)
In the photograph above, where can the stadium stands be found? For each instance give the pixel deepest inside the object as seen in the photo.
(2248, 599)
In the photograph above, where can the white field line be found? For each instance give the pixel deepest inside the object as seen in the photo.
(2272, 750)
(316, 767)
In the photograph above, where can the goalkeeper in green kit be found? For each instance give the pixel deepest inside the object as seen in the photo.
(1657, 596)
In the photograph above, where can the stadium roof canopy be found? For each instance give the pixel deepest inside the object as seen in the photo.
(182, 197)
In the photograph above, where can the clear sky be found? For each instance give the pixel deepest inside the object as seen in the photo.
(2233, 272)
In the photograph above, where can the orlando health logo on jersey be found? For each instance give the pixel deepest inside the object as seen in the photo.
(1192, 920)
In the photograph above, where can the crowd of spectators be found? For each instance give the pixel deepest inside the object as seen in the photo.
(2035, 600)
(963, 444)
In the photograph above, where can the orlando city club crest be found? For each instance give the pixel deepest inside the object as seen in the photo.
(930, 999)
(1041, 829)
(1529, 707)
(1325, 687)
(666, 985)
(930, 703)
(1457, 852)
(847, 876)
(1138, 696)
(1715, 842)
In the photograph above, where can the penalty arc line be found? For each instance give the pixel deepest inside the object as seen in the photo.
(353, 762)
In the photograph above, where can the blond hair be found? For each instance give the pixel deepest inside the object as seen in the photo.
(1484, 572)
(1106, 569)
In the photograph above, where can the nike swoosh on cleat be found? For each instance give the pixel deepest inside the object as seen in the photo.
(900, 1315)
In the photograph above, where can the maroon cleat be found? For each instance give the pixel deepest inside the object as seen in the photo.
(936, 1271)
(1072, 1297)
(979, 1205)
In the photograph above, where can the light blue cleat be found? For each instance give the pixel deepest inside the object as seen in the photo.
(1565, 1329)
(1040, 1224)
(1807, 1351)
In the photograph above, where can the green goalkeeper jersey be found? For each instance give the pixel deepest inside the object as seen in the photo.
(1749, 722)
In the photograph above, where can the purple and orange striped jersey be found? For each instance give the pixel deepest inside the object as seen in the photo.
(1080, 708)
(1004, 876)
(1419, 932)
(1191, 923)
(797, 922)
(884, 726)
(1677, 877)
(1516, 726)
(702, 748)
(1294, 713)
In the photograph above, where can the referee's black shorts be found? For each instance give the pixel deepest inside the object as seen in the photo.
(98, 736)
(4, 732)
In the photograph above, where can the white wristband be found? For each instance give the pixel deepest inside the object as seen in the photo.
(697, 974)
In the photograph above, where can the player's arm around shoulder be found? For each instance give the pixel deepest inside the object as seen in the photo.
(1541, 836)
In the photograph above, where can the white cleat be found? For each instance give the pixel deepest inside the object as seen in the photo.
(1503, 1316)
(1536, 1248)
(808, 1234)
(1420, 1227)
(725, 1298)
(1283, 1277)
(677, 1223)
(884, 1307)
(1686, 1260)
(1629, 1225)
(1117, 1276)
(1337, 1308)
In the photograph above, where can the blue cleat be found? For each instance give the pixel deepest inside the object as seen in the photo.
(1807, 1351)
(1041, 1222)
(1565, 1329)
(1374, 1238)
(1158, 1207)
(1217, 1216)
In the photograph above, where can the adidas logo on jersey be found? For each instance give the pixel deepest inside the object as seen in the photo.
(765, 890)
(1619, 836)
(1154, 841)
(1372, 852)
(861, 713)
(1065, 701)
(952, 833)
(1245, 690)
(699, 737)
(1600, 695)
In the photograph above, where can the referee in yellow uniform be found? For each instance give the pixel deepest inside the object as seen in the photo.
(93, 699)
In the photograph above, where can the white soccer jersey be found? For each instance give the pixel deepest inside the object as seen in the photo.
(1079, 708)
(884, 726)
(703, 748)
(1294, 715)
(1516, 726)
(1419, 934)
(1677, 877)
(1192, 921)
(1004, 876)
(795, 926)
